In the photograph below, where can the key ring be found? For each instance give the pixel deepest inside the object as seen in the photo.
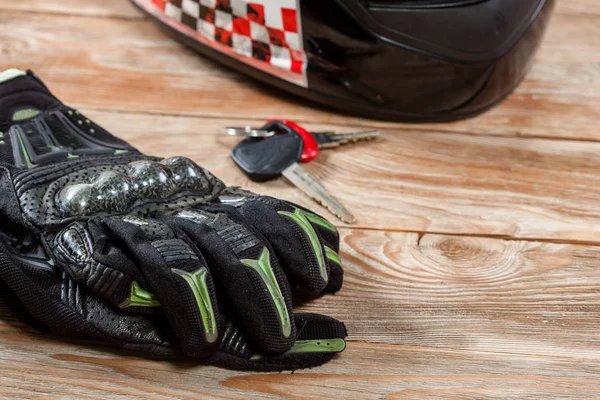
(248, 131)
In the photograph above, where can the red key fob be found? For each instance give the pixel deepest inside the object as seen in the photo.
(311, 147)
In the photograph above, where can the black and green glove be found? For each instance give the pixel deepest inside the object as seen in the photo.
(100, 241)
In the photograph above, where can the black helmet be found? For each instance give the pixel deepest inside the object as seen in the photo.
(412, 60)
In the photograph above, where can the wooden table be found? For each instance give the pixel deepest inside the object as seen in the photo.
(473, 270)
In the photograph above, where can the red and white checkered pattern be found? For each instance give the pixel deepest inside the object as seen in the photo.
(265, 30)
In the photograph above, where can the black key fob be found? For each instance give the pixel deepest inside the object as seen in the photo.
(264, 159)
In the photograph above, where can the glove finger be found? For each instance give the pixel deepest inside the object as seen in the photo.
(309, 261)
(65, 307)
(336, 272)
(331, 238)
(326, 229)
(98, 261)
(169, 274)
(246, 269)
(236, 197)
(319, 339)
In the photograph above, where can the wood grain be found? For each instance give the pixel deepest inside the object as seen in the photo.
(473, 271)
(97, 9)
(439, 316)
(560, 98)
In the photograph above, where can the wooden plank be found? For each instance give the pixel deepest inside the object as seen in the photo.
(443, 317)
(366, 371)
(430, 315)
(516, 297)
(98, 9)
(416, 181)
(580, 7)
(139, 68)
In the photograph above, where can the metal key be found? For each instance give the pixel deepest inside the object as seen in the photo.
(328, 140)
(248, 131)
(313, 141)
(266, 159)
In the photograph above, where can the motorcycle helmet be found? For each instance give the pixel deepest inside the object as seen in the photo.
(408, 60)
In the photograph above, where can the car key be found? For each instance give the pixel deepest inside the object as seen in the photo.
(314, 141)
(266, 159)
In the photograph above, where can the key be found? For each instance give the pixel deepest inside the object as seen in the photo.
(328, 140)
(318, 140)
(312, 187)
(248, 131)
(266, 159)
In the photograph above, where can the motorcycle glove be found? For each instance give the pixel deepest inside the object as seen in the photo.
(100, 241)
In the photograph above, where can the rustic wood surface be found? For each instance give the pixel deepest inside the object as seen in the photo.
(473, 271)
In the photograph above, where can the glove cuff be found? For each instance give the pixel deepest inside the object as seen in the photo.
(36, 129)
